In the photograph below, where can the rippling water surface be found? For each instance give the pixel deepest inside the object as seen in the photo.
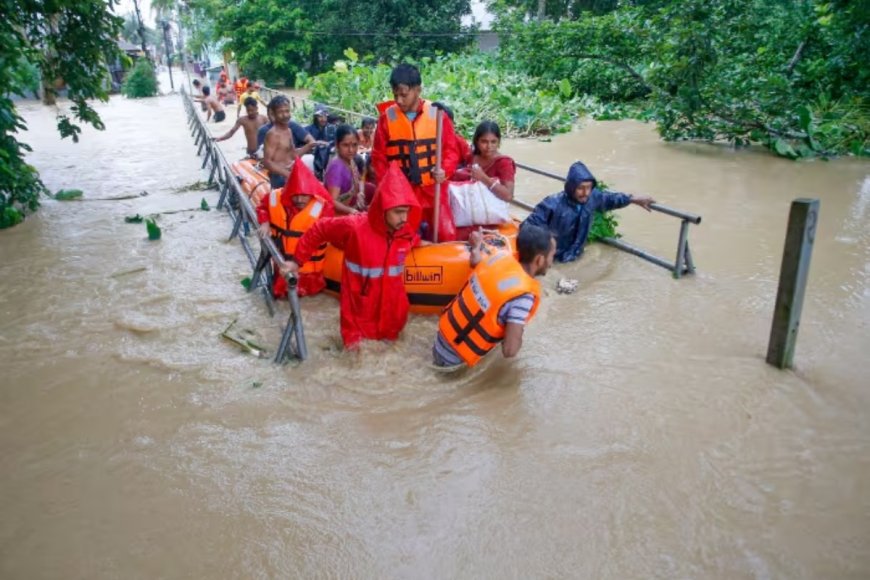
(639, 434)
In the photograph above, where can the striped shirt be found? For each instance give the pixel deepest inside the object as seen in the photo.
(516, 311)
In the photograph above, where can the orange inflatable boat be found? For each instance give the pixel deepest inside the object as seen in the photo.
(434, 274)
(253, 179)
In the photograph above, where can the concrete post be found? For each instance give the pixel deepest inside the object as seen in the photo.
(800, 235)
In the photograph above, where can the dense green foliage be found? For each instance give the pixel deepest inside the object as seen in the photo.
(791, 75)
(473, 85)
(277, 39)
(141, 81)
(64, 39)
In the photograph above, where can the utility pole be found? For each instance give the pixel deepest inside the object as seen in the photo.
(141, 30)
(168, 45)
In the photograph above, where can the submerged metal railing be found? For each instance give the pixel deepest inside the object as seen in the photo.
(683, 264)
(234, 200)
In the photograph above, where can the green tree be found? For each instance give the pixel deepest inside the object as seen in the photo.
(278, 39)
(141, 81)
(790, 74)
(69, 40)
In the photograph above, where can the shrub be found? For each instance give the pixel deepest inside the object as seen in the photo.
(141, 81)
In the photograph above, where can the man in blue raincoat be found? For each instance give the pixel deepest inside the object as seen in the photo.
(569, 213)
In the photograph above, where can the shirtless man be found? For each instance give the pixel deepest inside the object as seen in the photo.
(251, 123)
(212, 104)
(279, 152)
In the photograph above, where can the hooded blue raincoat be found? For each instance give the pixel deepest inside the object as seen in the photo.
(570, 221)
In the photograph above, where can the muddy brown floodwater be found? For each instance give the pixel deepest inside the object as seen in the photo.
(639, 434)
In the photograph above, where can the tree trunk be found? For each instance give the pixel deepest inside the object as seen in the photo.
(542, 9)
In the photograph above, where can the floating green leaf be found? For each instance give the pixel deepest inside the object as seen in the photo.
(204, 205)
(246, 282)
(153, 229)
(68, 194)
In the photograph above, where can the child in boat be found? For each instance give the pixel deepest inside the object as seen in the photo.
(286, 215)
(496, 303)
(569, 213)
(374, 304)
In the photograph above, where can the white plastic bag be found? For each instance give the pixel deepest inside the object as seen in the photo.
(473, 204)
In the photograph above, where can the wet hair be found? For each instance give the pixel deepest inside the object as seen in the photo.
(332, 119)
(367, 121)
(278, 101)
(444, 108)
(343, 131)
(206, 90)
(405, 74)
(485, 128)
(533, 241)
(196, 82)
(250, 102)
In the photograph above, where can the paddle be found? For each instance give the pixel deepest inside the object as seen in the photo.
(439, 121)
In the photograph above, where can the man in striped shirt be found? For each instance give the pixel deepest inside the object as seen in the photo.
(536, 248)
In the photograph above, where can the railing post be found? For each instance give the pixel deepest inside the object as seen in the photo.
(681, 249)
(800, 235)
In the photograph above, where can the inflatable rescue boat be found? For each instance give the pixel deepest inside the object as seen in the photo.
(433, 274)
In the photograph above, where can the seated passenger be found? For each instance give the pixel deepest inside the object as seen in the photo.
(317, 128)
(342, 177)
(489, 167)
(366, 134)
(496, 303)
(486, 165)
(286, 215)
(569, 213)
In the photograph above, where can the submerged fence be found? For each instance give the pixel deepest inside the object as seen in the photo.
(244, 217)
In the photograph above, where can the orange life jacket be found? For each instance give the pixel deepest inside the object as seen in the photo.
(470, 322)
(413, 144)
(290, 230)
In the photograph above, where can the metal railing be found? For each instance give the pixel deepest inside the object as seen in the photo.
(683, 264)
(304, 108)
(244, 217)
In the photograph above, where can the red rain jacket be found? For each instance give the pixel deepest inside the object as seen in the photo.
(374, 304)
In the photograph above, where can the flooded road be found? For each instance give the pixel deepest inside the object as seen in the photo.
(639, 434)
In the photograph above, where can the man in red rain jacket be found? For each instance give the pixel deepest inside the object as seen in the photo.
(374, 304)
(406, 134)
(286, 215)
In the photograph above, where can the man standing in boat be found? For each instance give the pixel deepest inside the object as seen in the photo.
(569, 213)
(406, 134)
(374, 304)
(496, 303)
(251, 123)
